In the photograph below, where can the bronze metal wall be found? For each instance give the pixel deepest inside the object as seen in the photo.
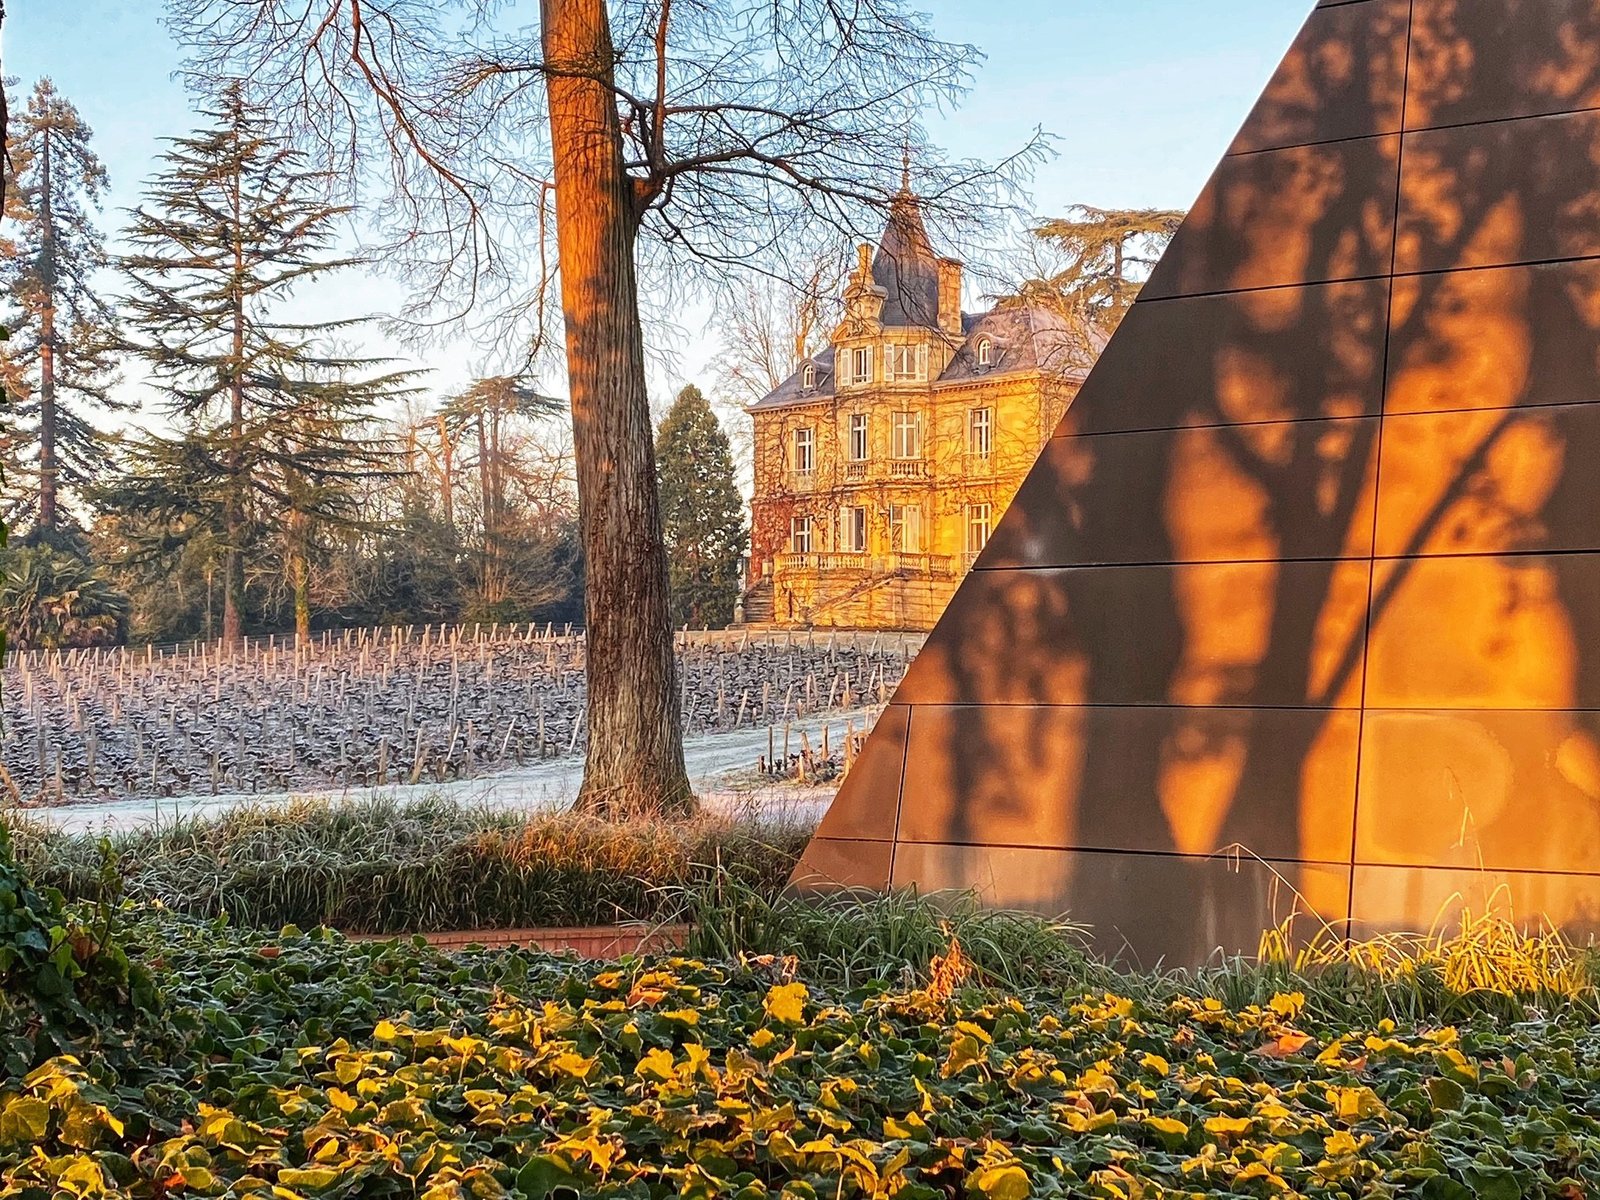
(1312, 567)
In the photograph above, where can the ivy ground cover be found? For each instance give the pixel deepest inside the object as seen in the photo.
(305, 1065)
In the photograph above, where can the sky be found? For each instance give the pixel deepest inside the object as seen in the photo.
(1142, 96)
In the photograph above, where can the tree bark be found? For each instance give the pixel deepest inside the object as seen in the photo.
(447, 483)
(233, 503)
(49, 469)
(635, 751)
(300, 575)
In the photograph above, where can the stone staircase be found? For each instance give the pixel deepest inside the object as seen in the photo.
(759, 608)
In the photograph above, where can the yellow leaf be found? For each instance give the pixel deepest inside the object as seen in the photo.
(657, 1065)
(577, 1066)
(1008, 1182)
(1355, 1104)
(1342, 1143)
(341, 1100)
(786, 1003)
(1227, 1127)
(1288, 1004)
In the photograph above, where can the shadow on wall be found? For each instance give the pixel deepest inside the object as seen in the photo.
(1270, 509)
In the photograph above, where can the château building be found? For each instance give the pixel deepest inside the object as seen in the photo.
(883, 463)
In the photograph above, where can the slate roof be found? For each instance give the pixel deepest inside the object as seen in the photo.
(1026, 338)
(906, 267)
(791, 391)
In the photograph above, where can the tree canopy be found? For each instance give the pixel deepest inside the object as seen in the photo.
(1093, 261)
(702, 513)
(269, 412)
(58, 363)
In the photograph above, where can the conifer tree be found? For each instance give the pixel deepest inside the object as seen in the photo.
(1101, 259)
(270, 411)
(58, 362)
(702, 514)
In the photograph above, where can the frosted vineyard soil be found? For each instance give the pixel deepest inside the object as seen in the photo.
(374, 707)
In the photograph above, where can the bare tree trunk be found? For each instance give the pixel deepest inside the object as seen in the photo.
(486, 593)
(233, 506)
(49, 469)
(300, 574)
(635, 754)
(447, 483)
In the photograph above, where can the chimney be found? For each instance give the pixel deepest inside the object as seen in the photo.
(950, 296)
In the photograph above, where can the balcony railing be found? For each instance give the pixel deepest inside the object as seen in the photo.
(876, 564)
(802, 481)
(823, 562)
(855, 470)
(908, 468)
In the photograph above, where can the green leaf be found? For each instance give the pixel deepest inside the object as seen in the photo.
(25, 1121)
(546, 1176)
(1447, 1094)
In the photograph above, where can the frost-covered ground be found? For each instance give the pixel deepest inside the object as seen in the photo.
(721, 765)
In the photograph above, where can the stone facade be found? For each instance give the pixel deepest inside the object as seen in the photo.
(882, 464)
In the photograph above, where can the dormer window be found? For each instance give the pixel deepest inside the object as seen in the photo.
(808, 377)
(985, 352)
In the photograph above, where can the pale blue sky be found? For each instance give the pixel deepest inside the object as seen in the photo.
(1143, 95)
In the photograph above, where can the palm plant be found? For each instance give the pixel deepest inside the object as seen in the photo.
(50, 599)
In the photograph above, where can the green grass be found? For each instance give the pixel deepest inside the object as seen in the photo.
(853, 939)
(388, 867)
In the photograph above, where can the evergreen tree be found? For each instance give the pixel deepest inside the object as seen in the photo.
(1101, 258)
(702, 513)
(58, 362)
(485, 412)
(271, 414)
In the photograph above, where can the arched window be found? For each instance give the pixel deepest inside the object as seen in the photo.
(985, 352)
(808, 377)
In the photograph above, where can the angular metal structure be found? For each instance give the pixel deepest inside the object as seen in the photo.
(1298, 616)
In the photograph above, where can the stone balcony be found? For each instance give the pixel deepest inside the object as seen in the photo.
(935, 565)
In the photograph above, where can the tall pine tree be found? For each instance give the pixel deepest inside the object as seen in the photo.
(702, 514)
(271, 415)
(58, 362)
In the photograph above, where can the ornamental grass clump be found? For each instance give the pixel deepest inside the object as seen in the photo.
(1479, 962)
(851, 939)
(383, 866)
